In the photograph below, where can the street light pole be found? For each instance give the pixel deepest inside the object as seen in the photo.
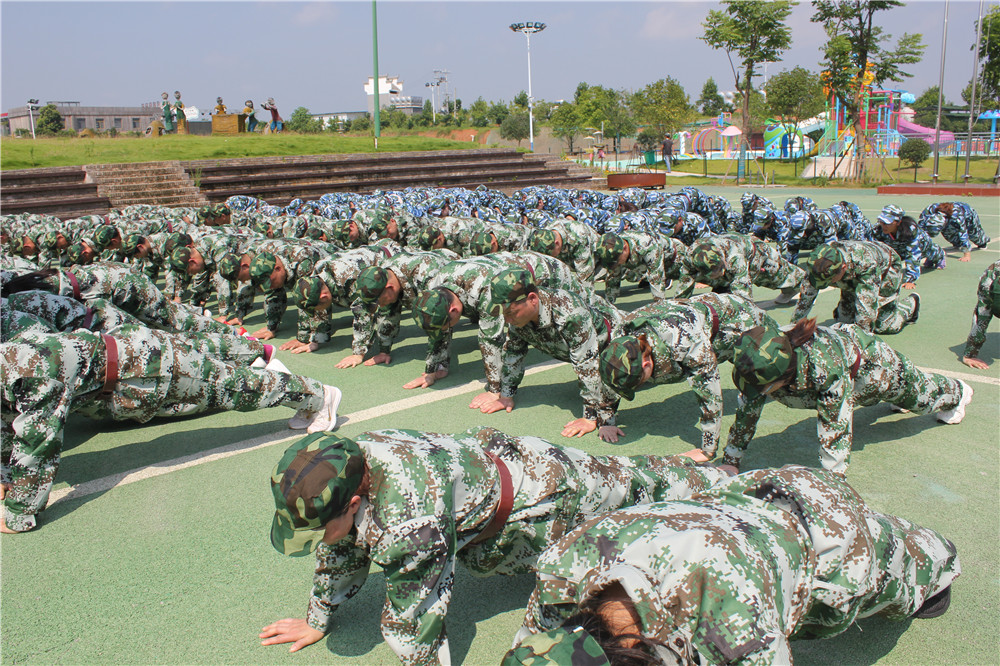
(527, 29)
(32, 105)
(433, 87)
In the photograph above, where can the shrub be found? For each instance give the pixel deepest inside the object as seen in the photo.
(913, 152)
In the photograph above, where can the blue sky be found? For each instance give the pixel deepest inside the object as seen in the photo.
(319, 54)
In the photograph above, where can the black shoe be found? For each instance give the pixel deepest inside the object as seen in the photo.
(916, 308)
(936, 606)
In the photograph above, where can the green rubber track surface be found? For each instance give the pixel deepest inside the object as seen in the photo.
(154, 548)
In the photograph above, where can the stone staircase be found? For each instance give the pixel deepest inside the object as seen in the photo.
(64, 192)
(157, 183)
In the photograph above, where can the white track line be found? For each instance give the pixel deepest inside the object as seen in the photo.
(106, 483)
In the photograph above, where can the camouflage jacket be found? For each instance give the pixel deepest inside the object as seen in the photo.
(906, 243)
(873, 278)
(983, 313)
(578, 243)
(687, 344)
(748, 261)
(786, 553)
(657, 259)
(470, 280)
(431, 495)
(569, 329)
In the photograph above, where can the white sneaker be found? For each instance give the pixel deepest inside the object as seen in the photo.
(897, 409)
(301, 420)
(259, 363)
(275, 365)
(326, 418)
(783, 298)
(955, 416)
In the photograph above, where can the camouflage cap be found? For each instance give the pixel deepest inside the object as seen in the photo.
(315, 233)
(307, 293)
(428, 236)
(826, 264)
(50, 239)
(482, 243)
(261, 226)
(312, 484)
(890, 214)
(620, 365)
(609, 249)
(17, 244)
(205, 213)
(261, 268)
(131, 244)
(370, 284)
(558, 647)
(104, 235)
(764, 215)
(342, 231)
(542, 240)
(380, 221)
(176, 239)
(228, 267)
(706, 260)
(763, 355)
(510, 286)
(74, 253)
(179, 259)
(431, 311)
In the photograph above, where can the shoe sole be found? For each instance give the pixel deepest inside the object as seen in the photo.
(959, 411)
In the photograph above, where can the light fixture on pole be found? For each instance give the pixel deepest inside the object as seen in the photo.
(433, 87)
(32, 105)
(529, 28)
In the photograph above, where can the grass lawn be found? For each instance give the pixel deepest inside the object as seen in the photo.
(71, 151)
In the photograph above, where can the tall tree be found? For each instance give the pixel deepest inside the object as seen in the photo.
(710, 102)
(755, 32)
(515, 127)
(521, 100)
(606, 108)
(857, 54)
(49, 120)
(795, 95)
(479, 111)
(566, 123)
(989, 56)
(663, 105)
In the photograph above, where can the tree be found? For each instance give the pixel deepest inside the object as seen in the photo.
(515, 127)
(498, 112)
(857, 55)
(753, 30)
(303, 123)
(479, 112)
(49, 120)
(606, 108)
(663, 105)
(521, 100)
(794, 96)
(989, 56)
(710, 102)
(913, 152)
(566, 123)
(362, 124)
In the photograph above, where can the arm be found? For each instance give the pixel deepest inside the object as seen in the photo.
(806, 299)
(982, 315)
(515, 348)
(742, 431)
(702, 369)
(834, 423)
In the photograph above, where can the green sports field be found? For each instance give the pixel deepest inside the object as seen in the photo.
(155, 550)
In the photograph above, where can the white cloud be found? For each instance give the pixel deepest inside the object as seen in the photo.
(315, 12)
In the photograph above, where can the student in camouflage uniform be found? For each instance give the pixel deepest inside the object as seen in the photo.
(565, 326)
(832, 370)
(640, 256)
(685, 227)
(572, 243)
(415, 503)
(463, 287)
(987, 307)
(960, 226)
(48, 374)
(277, 271)
(385, 291)
(201, 261)
(733, 263)
(731, 575)
(902, 233)
(332, 283)
(869, 276)
(665, 342)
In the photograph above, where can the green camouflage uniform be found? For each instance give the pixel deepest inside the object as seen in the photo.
(570, 328)
(299, 258)
(47, 375)
(213, 247)
(732, 574)
(431, 495)
(578, 243)
(869, 289)
(825, 381)
(685, 347)
(339, 273)
(414, 269)
(987, 306)
(657, 259)
(747, 261)
(469, 279)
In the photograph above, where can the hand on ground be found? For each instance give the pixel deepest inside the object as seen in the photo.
(610, 433)
(263, 334)
(426, 380)
(379, 358)
(579, 427)
(482, 399)
(696, 455)
(493, 406)
(966, 257)
(909, 285)
(975, 363)
(290, 630)
(305, 347)
(350, 361)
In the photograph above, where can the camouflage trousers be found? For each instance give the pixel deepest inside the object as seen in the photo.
(893, 312)
(963, 233)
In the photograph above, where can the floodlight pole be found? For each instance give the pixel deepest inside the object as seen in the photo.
(527, 29)
(433, 86)
(378, 122)
(972, 97)
(937, 122)
(31, 116)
